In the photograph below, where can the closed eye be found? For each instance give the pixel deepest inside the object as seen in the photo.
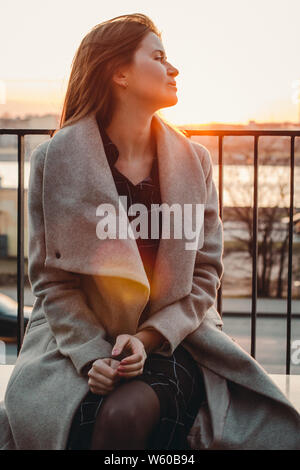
(161, 58)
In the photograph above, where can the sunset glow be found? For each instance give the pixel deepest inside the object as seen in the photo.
(237, 60)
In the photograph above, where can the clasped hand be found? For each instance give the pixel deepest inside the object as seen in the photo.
(106, 373)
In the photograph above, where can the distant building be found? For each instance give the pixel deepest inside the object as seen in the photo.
(9, 221)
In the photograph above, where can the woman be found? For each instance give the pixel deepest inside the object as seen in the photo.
(124, 348)
(144, 84)
(121, 74)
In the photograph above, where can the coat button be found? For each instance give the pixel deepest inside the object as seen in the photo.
(57, 254)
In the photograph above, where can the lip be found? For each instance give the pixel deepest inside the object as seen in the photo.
(173, 85)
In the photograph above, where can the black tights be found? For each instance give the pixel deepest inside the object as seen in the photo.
(127, 417)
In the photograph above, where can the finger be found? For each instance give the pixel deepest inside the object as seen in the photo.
(99, 385)
(99, 391)
(120, 343)
(102, 368)
(130, 367)
(114, 363)
(122, 355)
(100, 382)
(132, 359)
(117, 377)
(100, 378)
(126, 375)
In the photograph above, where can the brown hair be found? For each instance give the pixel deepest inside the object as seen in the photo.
(105, 47)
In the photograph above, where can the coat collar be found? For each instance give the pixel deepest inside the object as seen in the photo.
(78, 178)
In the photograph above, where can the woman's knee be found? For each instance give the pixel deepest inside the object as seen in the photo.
(116, 419)
(132, 407)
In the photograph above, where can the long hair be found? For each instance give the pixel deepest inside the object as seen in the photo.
(107, 46)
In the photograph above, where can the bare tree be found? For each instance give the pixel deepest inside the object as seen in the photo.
(273, 234)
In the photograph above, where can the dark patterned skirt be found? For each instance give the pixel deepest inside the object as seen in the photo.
(178, 382)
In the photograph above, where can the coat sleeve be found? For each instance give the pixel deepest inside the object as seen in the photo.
(189, 311)
(77, 333)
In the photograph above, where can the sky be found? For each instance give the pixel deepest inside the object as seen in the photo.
(238, 60)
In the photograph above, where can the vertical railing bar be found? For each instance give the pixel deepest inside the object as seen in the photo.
(220, 176)
(20, 243)
(254, 250)
(290, 260)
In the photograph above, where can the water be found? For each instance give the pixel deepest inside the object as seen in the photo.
(274, 184)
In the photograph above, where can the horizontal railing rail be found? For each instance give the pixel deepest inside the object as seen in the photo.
(220, 134)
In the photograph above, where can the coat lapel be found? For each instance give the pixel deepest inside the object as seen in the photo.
(182, 182)
(77, 179)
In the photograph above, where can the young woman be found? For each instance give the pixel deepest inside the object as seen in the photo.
(129, 79)
(124, 348)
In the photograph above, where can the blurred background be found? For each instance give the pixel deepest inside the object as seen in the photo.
(239, 70)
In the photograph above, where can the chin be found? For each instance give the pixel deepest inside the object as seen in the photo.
(170, 100)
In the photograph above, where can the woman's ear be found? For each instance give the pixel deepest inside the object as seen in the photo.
(120, 78)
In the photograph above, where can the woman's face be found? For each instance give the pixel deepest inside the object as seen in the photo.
(150, 75)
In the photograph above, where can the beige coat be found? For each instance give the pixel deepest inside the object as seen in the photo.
(88, 290)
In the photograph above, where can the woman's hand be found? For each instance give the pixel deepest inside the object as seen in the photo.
(133, 364)
(103, 376)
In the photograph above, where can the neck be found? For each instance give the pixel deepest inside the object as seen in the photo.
(133, 134)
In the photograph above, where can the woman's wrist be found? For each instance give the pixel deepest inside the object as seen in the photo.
(151, 339)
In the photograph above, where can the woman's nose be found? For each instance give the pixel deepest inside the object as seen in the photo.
(174, 70)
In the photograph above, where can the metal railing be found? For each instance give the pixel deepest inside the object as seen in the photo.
(20, 133)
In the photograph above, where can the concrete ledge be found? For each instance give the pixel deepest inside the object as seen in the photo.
(288, 384)
(5, 371)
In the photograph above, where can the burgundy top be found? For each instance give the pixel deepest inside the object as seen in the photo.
(146, 192)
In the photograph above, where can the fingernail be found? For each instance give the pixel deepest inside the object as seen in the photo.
(115, 351)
